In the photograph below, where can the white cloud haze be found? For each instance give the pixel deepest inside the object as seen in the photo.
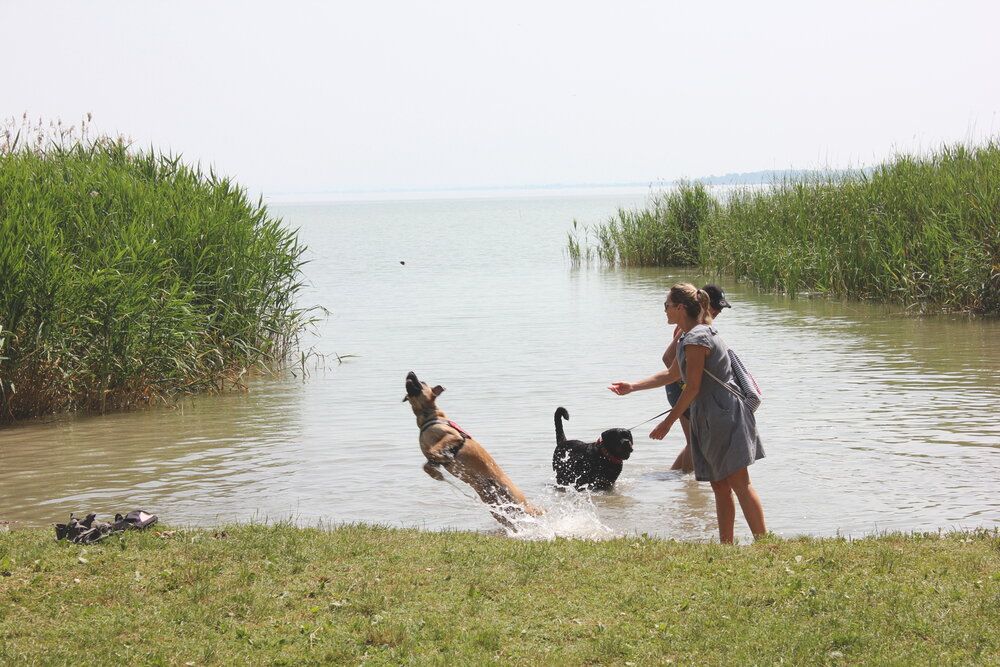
(307, 97)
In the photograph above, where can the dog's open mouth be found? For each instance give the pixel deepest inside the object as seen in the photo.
(413, 386)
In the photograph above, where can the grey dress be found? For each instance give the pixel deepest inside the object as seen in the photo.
(723, 429)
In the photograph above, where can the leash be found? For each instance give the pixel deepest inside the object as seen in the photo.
(651, 418)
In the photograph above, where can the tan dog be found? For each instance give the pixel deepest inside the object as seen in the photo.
(447, 446)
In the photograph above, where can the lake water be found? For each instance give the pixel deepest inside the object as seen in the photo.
(872, 421)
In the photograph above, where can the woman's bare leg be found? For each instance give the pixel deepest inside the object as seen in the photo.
(725, 510)
(753, 510)
(684, 462)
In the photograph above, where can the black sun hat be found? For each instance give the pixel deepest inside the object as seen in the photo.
(717, 297)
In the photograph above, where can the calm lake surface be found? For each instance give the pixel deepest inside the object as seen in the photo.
(871, 421)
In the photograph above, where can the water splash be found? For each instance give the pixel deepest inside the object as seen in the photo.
(568, 513)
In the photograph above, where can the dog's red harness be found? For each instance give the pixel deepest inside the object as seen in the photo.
(450, 423)
(458, 428)
(453, 450)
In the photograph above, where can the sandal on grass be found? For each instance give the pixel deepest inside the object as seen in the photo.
(74, 527)
(88, 531)
(134, 520)
(95, 533)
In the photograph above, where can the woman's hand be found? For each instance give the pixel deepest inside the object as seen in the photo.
(661, 430)
(621, 388)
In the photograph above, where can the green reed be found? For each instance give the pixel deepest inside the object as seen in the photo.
(922, 231)
(663, 234)
(919, 230)
(127, 276)
(576, 244)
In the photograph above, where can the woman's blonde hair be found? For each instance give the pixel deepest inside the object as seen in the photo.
(696, 302)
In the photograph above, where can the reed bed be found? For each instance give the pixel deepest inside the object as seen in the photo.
(923, 231)
(659, 235)
(127, 276)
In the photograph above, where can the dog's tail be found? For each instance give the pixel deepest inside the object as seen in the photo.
(560, 415)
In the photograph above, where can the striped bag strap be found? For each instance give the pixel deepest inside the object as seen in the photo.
(725, 385)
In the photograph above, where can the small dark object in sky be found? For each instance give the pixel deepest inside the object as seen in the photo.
(402, 262)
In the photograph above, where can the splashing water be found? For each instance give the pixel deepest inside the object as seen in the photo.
(567, 513)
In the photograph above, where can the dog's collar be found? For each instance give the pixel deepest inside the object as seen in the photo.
(611, 457)
(608, 455)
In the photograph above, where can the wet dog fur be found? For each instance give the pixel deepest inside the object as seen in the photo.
(590, 465)
(445, 446)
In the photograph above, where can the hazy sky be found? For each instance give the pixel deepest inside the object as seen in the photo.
(333, 96)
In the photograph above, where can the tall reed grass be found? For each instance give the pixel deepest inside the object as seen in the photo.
(660, 235)
(922, 231)
(919, 230)
(127, 276)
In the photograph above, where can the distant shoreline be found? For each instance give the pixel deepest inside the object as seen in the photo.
(539, 192)
(526, 191)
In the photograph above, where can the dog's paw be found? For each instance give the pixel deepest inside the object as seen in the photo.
(432, 470)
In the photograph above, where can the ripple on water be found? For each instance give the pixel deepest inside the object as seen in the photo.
(870, 420)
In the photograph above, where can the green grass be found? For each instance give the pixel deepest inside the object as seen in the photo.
(923, 231)
(127, 276)
(283, 595)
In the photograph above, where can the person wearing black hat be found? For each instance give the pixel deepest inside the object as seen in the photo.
(717, 301)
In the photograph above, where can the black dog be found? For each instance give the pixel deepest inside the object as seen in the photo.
(590, 465)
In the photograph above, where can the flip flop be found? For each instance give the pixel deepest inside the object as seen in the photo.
(134, 520)
(96, 533)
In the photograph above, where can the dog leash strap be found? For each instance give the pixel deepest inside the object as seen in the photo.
(651, 418)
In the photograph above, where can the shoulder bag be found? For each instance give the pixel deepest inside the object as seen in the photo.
(751, 394)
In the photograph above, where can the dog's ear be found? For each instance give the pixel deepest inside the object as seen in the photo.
(437, 390)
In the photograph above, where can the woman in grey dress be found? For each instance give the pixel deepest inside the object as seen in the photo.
(717, 301)
(724, 440)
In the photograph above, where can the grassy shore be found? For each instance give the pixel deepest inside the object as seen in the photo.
(127, 276)
(923, 231)
(284, 595)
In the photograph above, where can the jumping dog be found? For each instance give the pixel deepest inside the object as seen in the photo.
(447, 446)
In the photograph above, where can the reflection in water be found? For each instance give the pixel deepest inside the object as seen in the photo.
(182, 458)
(871, 420)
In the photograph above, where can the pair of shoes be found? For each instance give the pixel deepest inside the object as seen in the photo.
(83, 532)
(74, 527)
(88, 531)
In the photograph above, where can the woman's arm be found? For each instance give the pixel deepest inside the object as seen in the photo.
(671, 352)
(661, 379)
(695, 356)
